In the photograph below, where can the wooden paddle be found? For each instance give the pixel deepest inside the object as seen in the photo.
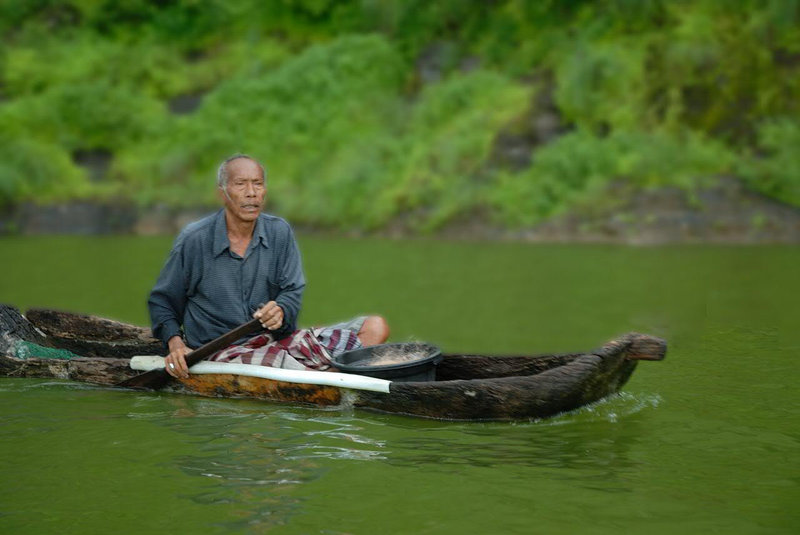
(155, 379)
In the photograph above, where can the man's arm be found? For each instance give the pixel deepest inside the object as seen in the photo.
(167, 300)
(167, 303)
(292, 283)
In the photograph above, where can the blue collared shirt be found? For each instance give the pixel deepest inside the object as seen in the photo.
(209, 290)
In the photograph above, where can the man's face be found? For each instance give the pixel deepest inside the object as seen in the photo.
(246, 191)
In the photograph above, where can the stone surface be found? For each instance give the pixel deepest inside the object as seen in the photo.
(79, 217)
(725, 212)
(722, 212)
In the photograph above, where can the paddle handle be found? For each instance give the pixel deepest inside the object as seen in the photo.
(155, 379)
(208, 349)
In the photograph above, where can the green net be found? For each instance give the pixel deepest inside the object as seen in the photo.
(25, 350)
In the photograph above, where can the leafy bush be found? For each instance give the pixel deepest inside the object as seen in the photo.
(38, 172)
(84, 116)
(602, 85)
(295, 118)
(156, 69)
(447, 145)
(775, 169)
(579, 165)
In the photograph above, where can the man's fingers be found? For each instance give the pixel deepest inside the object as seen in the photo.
(175, 364)
(270, 315)
(169, 365)
(266, 310)
(173, 368)
(182, 366)
(276, 320)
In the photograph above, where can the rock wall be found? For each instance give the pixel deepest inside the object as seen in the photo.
(726, 212)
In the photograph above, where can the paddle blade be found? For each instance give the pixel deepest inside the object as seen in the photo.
(152, 380)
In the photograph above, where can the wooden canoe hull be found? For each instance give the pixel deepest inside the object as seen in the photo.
(111, 371)
(585, 379)
(467, 387)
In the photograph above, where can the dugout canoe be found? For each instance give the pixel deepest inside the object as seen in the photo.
(467, 387)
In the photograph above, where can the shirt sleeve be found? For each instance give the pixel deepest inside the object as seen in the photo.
(167, 300)
(292, 282)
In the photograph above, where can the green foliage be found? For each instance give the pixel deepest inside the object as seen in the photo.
(84, 116)
(38, 172)
(702, 64)
(156, 69)
(295, 118)
(329, 93)
(775, 168)
(447, 147)
(601, 85)
(580, 165)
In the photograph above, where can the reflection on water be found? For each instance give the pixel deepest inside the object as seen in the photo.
(258, 457)
(260, 460)
(590, 452)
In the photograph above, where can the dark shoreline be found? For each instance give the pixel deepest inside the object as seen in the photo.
(726, 213)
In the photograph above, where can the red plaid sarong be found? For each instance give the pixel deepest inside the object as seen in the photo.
(305, 349)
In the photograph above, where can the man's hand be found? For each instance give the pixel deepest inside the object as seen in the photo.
(175, 362)
(271, 316)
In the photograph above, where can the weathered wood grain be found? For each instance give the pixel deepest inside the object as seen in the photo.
(91, 336)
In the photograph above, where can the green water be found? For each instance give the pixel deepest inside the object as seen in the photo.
(705, 441)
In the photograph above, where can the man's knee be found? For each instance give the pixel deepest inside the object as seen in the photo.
(374, 331)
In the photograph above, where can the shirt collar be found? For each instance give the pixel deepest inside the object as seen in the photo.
(221, 242)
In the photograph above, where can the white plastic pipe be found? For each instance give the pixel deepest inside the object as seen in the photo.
(343, 380)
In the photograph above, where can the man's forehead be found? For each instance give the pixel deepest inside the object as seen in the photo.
(244, 168)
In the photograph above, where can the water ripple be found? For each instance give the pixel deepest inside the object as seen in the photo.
(609, 409)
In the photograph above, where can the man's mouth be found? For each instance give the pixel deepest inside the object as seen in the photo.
(251, 206)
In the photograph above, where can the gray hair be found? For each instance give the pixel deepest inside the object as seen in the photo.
(222, 172)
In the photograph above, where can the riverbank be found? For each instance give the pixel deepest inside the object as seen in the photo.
(725, 212)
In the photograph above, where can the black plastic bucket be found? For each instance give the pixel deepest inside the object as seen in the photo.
(403, 362)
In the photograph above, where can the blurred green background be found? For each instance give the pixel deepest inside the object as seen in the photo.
(373, 113)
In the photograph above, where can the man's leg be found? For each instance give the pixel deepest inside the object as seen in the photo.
(374, 331)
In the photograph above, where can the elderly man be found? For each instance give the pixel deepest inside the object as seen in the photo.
(240, 263)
